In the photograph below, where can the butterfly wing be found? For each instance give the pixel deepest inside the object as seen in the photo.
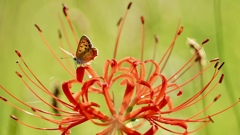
(88, 55)
(84, 44)
(85, 51)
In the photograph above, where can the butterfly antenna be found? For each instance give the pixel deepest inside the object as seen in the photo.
(142, 55)
(68, 53)
(65, 57)
(120, 24)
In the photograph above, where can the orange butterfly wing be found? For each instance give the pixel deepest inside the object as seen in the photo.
(85, 51)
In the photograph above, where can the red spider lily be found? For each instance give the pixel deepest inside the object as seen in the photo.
(148, 95)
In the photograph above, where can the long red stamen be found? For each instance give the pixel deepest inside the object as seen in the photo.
(37, 94)
(120, 30)
(16, 119)
(154, 54)
(42, 86)
(22, 103)
(70, 23)
(185, 65)
(64, 54)
(191, 79)
(204, 110)
(190, 101)
(65, 34)
(142, 54)
(56, 57)
(170, 48)
(212, 115)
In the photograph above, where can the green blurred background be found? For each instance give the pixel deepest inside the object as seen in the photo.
(217, 20)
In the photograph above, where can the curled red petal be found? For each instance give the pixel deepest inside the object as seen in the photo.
(142, 69)
(108, 99)
(162, 89)
(113, 65)
(129, 131)
(170, 104)
(157, 68)
(145, 83)
(152, 130)
(88, 107)
(66, 89)
(176, 123)
(86, 86)
(140, 110)
(66, 130)
(144, 101)
(106, 131)
(164, 102)
(127, 97)
(80, 73)
(91, 72)
(93, 113)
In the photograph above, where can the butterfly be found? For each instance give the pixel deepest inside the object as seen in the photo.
(85, 51)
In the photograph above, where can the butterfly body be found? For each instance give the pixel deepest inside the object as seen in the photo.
(85, 51)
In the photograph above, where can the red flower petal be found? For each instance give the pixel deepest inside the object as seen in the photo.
(152, 130)
(127, 97)
(80, 73)
(66, 89)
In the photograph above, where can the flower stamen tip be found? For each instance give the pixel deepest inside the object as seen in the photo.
(215, 59)
(156, 38)
(221, 78)
(65, 9)
(205, 41)
(210, 118)
(18, 74)
(180, 30)
(221, 66)
(13, 117)
(59, 34)
(129, 5)
(4, 99)
(215, 66)
(217, 97)
(33, 109)
(39, 29)
(119, 21)
(18, 53)
(142, 19)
